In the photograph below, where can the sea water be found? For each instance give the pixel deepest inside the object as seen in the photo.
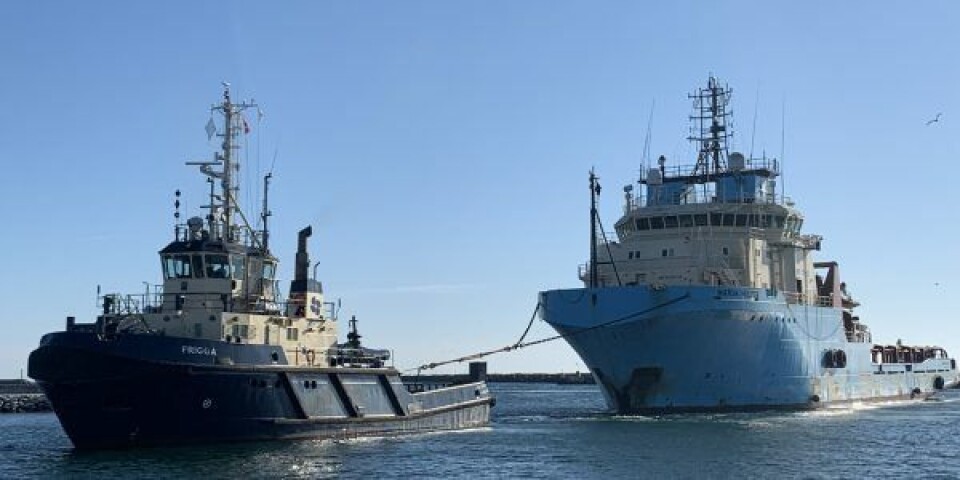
(547, 431)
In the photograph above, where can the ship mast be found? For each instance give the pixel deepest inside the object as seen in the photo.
(223, 206)
(594, 191)
(710, 130)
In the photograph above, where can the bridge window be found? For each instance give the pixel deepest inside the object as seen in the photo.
(218, 266)
(643, 224)
(269, 270)
(198, 265)
(686, 221)
(177, 266)
(239, 270)
(728, 220)
(716, 219)
(670, 222)
(741, 220)
(700, 219)
(656, 223)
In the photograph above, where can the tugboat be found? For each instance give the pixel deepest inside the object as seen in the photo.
(214, 354)
(708, 299)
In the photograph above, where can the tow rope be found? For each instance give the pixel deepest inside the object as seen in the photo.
(520, 344)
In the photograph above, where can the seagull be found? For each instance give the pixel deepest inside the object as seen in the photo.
(934, 120)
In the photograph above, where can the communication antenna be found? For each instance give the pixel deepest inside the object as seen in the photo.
(645, 160)
(753, 130)
(783, 129)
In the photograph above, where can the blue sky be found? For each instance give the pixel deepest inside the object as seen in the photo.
(440, 149)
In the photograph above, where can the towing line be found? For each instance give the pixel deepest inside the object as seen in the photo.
(520, 344)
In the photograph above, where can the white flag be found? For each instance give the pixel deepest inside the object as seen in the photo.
(211, 129)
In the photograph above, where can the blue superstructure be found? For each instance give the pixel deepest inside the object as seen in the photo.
(709, 298)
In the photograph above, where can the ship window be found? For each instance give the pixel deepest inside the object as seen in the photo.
(292, 334)
(779, 220)
(686, 221)
(799, 225)
(728, 220)
(715, 219)
(269, 270)
(240, 331)
(656, 223)
(177, 266)
(700, 219)
(643, 224)
(218, 266)
(630, 255)
(239, 272)
(726, 251)
(670, 222)
(198, 266)
(663, 253)
(741, 220)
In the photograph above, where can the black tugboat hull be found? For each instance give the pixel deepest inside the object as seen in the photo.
(137, 391)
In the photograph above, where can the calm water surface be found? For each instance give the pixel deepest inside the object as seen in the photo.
(547, 431)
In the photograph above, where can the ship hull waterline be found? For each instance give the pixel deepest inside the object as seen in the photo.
(120, 401)
(714, 349)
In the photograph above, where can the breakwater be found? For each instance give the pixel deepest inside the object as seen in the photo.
(23, 403)
(17, 396)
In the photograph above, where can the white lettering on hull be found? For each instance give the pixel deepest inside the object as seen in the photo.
(195, 350)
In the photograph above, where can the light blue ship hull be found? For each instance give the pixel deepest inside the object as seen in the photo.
(704, 348)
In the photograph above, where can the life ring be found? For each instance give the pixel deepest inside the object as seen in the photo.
(311, 356)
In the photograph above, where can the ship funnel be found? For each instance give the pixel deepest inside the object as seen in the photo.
(303, 258)
(306, 294)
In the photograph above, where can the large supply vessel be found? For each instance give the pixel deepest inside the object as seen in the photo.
(215, 354)
(708, 297)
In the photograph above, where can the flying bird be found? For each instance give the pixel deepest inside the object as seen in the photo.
(935, 119)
